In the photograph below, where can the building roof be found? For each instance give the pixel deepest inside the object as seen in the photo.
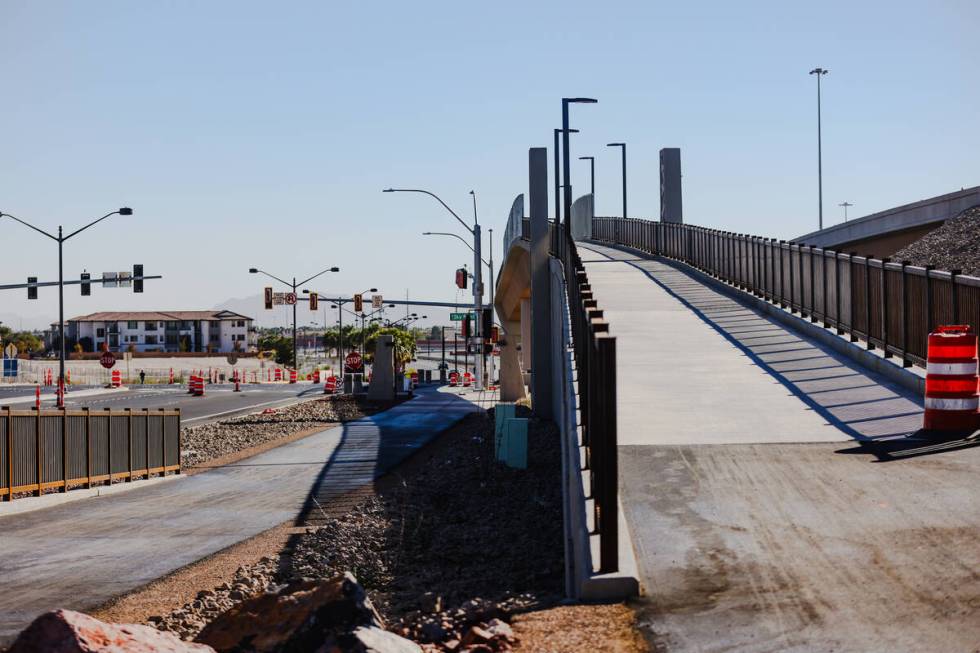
(160, 316)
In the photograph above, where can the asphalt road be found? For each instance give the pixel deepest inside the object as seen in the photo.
(79, 554)
(219, 401)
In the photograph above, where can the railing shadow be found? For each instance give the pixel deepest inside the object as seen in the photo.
(864, 411)
(371, 446)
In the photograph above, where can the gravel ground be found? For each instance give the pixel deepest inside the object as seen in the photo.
(456, 542)
(201, 444)
(953, 246)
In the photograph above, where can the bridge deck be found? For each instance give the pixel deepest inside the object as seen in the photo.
(752, 482)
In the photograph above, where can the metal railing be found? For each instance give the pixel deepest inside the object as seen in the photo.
(595, 362)
(45, 449)
(889, 305)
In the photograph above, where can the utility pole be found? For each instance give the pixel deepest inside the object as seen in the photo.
(819, 72)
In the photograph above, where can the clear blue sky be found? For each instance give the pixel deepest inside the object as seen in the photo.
(247, 133)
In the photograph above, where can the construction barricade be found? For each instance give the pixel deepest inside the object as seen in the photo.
(453, 379)
(951, 402)
(330, 385)
(292, 376)
(196, 385)
(467, 380)
(116, 381)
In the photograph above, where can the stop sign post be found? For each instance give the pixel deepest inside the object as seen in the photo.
(107, 360)
(353, 361)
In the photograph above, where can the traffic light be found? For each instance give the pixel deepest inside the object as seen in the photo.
(86, 286)
(32, 290)
(268, 298)
(314, 300)
(486, 325)
(137, 278)
(358, 304)
(461, 278)
(467, 326)
(495, 334)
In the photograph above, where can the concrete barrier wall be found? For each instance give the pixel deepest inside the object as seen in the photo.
(583, 210)
(909, 216)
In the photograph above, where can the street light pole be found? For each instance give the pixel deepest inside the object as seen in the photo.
(819, 72)
(623, 146)
(475, 231)
(294, 285)
(845, 204)
(566, 164)
(591, 160)
(60, 239)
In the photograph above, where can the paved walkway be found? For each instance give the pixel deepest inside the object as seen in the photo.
(775, 499)
(82, 553)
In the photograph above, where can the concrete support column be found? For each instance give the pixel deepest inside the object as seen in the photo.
(526, 345)
(671, 204)
(541, 327)
(511, 374)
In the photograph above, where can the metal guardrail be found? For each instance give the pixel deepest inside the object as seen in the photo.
(891, 306)
(45, 449)
(595, 360)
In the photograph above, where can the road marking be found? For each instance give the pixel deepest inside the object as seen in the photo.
(238, 410)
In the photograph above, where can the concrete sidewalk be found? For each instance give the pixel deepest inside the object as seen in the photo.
(81, 554)
(697, 367)
(774, 500)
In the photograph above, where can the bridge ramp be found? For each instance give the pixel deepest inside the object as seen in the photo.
(773, 495)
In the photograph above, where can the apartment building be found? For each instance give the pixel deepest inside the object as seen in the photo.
(163, 331)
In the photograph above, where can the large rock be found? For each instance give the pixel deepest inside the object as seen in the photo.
(325, 616)
(65, 631)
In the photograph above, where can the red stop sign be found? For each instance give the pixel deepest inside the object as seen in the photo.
(107, 360)
(353, 361)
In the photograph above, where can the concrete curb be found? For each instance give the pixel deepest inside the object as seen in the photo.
(30, 504)
(910, 379)
(68, 395)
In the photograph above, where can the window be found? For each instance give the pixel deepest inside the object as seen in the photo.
(150, 326)
(185, 326)
(172, 339)
(132, 325)
(151, 340)
(99, 333)
(241, 323)
(172, 325)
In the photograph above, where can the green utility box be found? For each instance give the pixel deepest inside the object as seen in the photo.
(513, 449)
(502, 412)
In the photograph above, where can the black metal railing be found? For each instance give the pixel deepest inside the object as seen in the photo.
(44, 449)
(595, 361)
(889, 305)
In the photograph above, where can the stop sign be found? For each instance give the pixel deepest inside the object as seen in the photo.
(353, 361)
(107, 360)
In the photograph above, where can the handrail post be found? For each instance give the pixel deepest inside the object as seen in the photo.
(609, 535)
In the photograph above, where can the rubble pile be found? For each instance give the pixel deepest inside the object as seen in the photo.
(953, 246)
(200, 444)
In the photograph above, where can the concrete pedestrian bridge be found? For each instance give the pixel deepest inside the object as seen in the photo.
(775, 490)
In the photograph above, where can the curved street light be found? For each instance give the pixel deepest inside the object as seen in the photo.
(60, 239)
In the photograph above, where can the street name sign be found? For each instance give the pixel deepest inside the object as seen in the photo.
(457, 317)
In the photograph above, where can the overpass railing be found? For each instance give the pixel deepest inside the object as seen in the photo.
(44, 449)
(594, 350)
(889, 305)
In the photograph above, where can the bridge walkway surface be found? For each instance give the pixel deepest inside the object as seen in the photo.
(79, 554)
(774, 495)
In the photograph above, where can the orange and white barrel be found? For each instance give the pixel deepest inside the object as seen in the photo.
(116, 378)
(453, 379)
(330, 386)
(292, 376)
(952, 400)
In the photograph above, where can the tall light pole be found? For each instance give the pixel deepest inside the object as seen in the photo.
(566, 165)
(340, 322)
(845, 204)
(819, 72)
(60, 239)
(558, 184)
(477, 258)
(294, 285)
(623, 146)
(591, 160)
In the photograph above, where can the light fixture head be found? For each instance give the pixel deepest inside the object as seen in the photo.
(579, 100)
(125, 211)
(253, 270)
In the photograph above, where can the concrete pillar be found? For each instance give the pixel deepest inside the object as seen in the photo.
(382, 386)
(671, 209)
(525, 331)
(511, 374)
(541, 327)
